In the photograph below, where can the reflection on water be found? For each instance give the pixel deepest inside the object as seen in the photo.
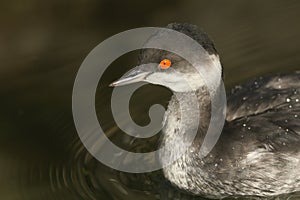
(43, 45)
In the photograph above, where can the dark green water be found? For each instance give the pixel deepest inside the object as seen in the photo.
(42, 47)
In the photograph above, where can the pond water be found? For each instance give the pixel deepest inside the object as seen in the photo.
(42, 47)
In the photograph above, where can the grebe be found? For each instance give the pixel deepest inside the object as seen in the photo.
(258, 152)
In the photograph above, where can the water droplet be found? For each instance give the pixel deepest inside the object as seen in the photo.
(290, 106)
(244, 125)
(279, 127)
(297, 100)
(244, 98)
(279, 86)
(216, 165)
(283, 144)
(287, 130)
(286, 121)
(221, 159)
(296, 116)
(288, 100)
(249, 128)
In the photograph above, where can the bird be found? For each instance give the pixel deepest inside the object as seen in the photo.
(258, 151)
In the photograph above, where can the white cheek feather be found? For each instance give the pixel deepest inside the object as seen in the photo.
(175, 81)
(210, 75)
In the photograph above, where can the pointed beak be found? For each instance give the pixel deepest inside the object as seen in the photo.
(133, 76)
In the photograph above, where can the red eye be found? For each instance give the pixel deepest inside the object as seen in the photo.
(165, 64)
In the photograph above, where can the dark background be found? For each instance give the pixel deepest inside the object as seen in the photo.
(42, 46)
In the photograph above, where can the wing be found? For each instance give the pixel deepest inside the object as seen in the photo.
(260, 142)
(266, 113)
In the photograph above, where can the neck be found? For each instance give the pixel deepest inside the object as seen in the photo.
(175, 126)
(178, 171)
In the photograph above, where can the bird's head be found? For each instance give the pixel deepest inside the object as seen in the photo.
(167, 69)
